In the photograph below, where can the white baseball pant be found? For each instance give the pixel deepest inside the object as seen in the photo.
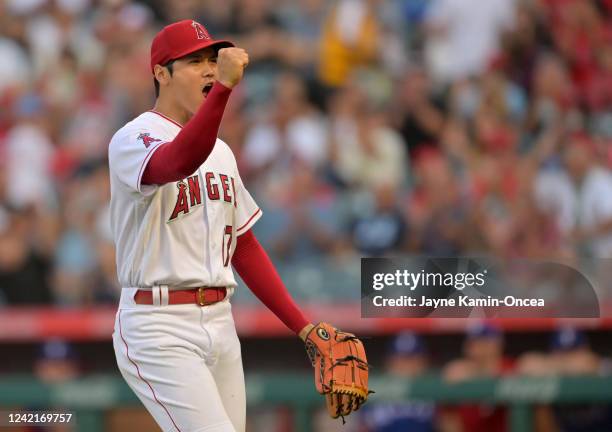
(183, 362)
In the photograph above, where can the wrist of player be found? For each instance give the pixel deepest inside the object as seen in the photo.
(226, 83)
(304, 332)
(231, 79)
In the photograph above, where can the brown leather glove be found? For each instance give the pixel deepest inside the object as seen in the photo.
(340, 367)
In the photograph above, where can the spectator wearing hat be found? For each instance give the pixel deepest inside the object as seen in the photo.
(570, 354)
(57, 361)
(483, 355)
(483, 358)
(407, 359)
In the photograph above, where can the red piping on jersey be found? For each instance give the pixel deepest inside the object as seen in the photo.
(181, 157)
(127, 352)
(249, 221)
(167, 118)
(256, 270)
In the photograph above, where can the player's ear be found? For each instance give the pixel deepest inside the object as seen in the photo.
(161, 74)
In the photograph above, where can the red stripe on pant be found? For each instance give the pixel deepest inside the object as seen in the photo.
(127, 352)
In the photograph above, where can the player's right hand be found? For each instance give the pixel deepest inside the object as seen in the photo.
(231, 63)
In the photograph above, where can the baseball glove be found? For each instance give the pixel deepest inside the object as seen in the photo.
(340, 368)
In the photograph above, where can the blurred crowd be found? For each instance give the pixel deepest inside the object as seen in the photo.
(363, 128)
(569, 354)
(441, 383)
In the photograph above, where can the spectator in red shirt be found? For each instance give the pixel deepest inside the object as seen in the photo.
(483, 358)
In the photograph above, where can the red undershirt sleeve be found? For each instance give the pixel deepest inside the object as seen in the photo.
(255, 268)
(177, 159)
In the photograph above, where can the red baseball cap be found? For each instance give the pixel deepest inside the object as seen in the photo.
(179, 39)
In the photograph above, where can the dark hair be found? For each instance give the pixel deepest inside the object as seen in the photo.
(156, 83)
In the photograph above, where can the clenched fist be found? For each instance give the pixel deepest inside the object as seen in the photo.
(230, 65)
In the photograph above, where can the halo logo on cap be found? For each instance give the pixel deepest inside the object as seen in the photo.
(177, 40)
(200, 32)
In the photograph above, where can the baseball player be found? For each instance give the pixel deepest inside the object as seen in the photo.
(181, 218)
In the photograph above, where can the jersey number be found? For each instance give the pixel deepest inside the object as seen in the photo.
(225, 249)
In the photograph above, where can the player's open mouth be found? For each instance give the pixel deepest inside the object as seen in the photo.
(206, 89)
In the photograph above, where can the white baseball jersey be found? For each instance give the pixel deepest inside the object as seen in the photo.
(181, 234)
